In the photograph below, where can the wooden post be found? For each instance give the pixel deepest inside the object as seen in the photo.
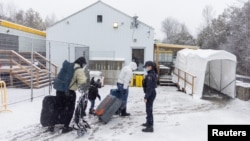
(55, 71)
(185, 81)
(11, 75)
(192, 85)
(37, 78)
(178, 75)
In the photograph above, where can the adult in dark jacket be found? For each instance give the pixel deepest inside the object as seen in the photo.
(93, 94)
(149, 86)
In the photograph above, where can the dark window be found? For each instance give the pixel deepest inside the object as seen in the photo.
(99, 18)
(138, 58)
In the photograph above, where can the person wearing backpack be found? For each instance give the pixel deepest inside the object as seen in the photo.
(66, 98)
(149, 86)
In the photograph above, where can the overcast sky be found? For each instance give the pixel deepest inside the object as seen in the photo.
(152, 12)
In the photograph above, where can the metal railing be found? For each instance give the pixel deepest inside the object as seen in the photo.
(185, 77)
(3, 96)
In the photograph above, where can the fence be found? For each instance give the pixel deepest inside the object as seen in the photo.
(185, 78)
(28, 65)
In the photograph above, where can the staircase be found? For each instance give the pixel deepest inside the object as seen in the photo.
(166, 80)
(36, 75)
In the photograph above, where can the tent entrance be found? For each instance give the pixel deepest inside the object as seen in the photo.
(217, 81)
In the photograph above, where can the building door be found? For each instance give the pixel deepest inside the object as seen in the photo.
(138, 58)
(82, 51)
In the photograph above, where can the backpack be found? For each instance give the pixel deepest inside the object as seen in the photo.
(64, 77)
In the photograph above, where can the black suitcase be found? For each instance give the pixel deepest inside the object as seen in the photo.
(49, 114)
(107, 108)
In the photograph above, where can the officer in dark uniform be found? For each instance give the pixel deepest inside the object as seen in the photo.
(149, 85)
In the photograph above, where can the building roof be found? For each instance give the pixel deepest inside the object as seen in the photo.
(175, 46)
(8, 24)
(94, 5)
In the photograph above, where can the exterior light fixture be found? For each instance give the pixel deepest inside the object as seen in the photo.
(115, 25)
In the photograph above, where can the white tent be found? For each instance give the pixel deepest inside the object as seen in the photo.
(214, 68)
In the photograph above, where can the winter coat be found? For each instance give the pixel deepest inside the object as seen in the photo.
(93, 93)
(126, 74)
(78, 79)
(149, 84)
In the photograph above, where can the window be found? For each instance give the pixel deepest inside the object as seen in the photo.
(99, 18)
(138, 58)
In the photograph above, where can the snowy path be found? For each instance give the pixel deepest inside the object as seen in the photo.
(177, 117)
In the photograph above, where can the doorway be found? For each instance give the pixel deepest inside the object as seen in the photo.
(82, 52)
(138, 58)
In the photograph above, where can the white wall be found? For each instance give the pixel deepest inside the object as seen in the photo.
(25, 40)
(82, 28)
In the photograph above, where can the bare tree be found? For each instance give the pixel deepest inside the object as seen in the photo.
(208, 14)
(176, 33)
(33, 19)
(171, 27)
(10, 11)
(1, 11)
(20, 17)
(49, 20)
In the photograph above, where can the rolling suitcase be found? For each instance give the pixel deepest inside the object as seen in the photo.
(107, 108)
(49, 114)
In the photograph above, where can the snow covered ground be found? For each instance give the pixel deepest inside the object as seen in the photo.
(178, 117)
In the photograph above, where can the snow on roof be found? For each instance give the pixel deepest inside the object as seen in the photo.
(139, 72)
(95, 73)
(164, 67)
(242, 84)
(208, 54)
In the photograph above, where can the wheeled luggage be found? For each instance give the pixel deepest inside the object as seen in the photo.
(49, 114)
(107, 108)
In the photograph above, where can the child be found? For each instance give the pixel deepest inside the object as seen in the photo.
(93, 93)
(149, 85)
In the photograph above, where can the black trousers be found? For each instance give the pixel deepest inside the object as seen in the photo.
(149, 109)
(66, 106)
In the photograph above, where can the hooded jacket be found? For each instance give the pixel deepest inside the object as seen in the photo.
(126, 74)
(79, 78)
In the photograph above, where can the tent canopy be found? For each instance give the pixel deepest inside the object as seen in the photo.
(213, 68)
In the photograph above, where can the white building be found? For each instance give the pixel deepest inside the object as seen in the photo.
(21, 38)
(103, 29)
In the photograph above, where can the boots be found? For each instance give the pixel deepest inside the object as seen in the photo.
(91, 112)
(51, 128)
(124, 113)
(67, 129)
(144, 124)
(148, 129)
